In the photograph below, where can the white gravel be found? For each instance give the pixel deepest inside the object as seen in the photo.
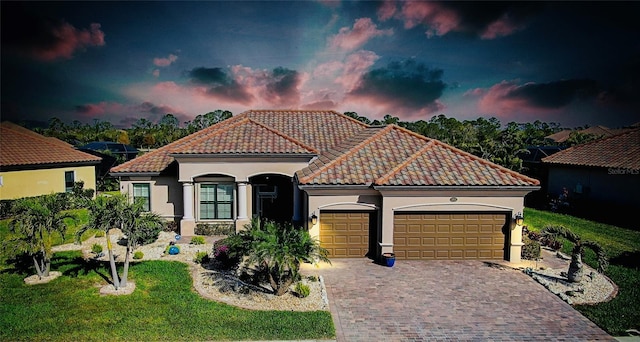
(206, 282)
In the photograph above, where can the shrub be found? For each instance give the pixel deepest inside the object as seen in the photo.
(197, 240)
(302, 290)
(201, 258)
(312, 278)
(99, 234)
(96, 248)
(531, 249)
(214, 229)
(138, 255)
(170, 226)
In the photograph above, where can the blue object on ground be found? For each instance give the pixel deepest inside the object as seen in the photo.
(173, 250)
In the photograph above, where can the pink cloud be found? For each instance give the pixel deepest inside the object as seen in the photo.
(475, 92)
(354, 67)
(165, 61)
(66, 40)
(501, 27)
(439, 19)
(350, 39)
(156, 73)
(387, 10)
(499, 101)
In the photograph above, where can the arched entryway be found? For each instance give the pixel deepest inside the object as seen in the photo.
(272, 197)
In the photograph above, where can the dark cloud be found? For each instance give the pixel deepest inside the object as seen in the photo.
(220, 85)
(282, 88)
(477, 17)
(554, 94)
(42, 37)
(411, 84)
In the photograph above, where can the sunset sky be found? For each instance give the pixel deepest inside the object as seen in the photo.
(574, 63)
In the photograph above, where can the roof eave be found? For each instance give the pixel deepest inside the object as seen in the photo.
(334, 186)
(457, 187)
(134, 174)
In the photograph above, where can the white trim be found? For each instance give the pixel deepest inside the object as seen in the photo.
(371, 206)
(453, 206)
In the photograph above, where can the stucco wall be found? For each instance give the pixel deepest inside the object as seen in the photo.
(339, 200)
(241, 169)
(612, 185)
(27, 183)
(166, 194)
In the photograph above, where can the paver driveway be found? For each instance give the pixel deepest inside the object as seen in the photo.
(447, 300)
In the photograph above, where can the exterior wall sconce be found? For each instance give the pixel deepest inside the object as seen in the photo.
(314, 219)
(519, 219)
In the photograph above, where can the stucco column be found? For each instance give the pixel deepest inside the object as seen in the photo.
(242, 200)
(515, 242)
(187, 224)
(386, 240)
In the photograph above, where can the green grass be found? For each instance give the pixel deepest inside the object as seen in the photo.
(163, 307)
(623, 248)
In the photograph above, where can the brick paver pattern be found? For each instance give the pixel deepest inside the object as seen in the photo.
(447, 300)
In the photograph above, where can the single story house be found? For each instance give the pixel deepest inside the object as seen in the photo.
(606, 170)
(33, 165)
(363, 190)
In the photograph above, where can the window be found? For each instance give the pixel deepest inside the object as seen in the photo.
(142, 191)
(216, 201)
(69, 180)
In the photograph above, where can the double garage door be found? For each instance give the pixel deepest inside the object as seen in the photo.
(418, 235)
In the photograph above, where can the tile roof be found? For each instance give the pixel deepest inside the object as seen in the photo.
(312, 130)
(618, 151)
(22, 147)
(394, 156)
(598, 131)
(245, 136)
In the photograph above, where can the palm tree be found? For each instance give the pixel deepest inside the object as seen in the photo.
(575, 272)
(35, 221)
(280, 249)
(140, 227)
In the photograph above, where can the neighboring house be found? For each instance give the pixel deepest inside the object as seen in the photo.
(604, 170)
(597, 131)
(363, 190)
(32, 164)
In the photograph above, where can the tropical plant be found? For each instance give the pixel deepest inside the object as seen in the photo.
(279, 250)
(139, 227)
(35, 221)
(576, 270)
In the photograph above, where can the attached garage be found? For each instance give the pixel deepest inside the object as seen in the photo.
(345, 234)
(454, 236)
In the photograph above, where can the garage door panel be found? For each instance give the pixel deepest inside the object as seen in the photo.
(345, 234)
(449, 236)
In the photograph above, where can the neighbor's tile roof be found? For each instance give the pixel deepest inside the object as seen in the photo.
(618, 151)
(394, 156)
(311, 130)
(598, 131)
(22, 147)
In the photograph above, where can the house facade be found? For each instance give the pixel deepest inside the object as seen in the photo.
(362, 190)
(33, 165)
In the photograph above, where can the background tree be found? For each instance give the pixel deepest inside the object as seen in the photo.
(35, 222)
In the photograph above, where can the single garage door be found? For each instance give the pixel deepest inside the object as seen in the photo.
(345, 234)
(449, 235)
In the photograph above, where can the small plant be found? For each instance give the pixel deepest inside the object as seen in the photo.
(302, 290)
(531, 249)
(201, 258)
(99, 234)
(197, 240)
(312, 278)
(96, 248)
(138, 255)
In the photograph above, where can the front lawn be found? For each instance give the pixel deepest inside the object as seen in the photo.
(163, 307)
(623, 248)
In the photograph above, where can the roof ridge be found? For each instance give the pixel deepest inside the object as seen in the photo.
(331, 111)
(344, 155)
(406, 162)
(488, 163)
(292, 139)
